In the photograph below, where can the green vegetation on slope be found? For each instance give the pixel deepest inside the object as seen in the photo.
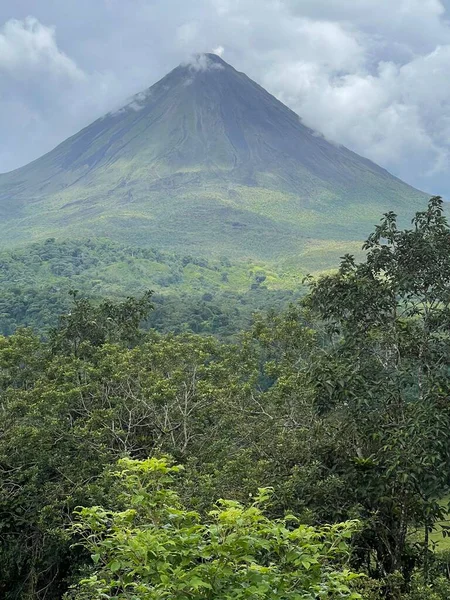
(194, 294)
(339, 406)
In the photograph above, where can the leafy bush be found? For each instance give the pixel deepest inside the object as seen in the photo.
(156, 548)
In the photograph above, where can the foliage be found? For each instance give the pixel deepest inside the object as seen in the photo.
(385, 370)
(339, 404)
(156, 548)
(66, 415)
(90, 326)
(190, 293)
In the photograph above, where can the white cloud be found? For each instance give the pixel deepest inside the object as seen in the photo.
(135, 103)
(201, 63)
(44, 95)
(28, 47)
(395, 112)
(188, 32)
(219, 51)
(371, 74)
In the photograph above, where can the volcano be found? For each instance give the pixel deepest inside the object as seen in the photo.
(207, 162)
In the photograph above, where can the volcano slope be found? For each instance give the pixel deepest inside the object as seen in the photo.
(204, 162)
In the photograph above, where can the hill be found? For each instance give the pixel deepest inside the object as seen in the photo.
(205, 161)
(190, 294)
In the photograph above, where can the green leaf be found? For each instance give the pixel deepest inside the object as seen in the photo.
(114, 566)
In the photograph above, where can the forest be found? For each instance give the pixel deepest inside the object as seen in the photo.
(297, 447)
(190, 293)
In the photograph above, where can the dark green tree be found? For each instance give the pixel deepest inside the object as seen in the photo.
(91, 324)
(384, 372)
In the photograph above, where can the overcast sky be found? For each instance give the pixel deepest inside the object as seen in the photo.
(373, 75)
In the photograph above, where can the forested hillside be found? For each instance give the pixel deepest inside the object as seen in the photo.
(190, 294)
(306, 458)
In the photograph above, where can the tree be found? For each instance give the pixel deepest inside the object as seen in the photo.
(66, 417)
(89, 324)
(155, 548)
(384, 372)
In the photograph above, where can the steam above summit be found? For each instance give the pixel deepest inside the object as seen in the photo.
(204, 161)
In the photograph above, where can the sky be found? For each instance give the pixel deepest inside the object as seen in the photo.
(373, 75)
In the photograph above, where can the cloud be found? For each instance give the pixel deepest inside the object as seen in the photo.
(396, 112)
(135, 103)
(28, 48)
(187, 33)
(219, 51)
(201, 63)
(33, 74)
(371, 74)
(44, 95)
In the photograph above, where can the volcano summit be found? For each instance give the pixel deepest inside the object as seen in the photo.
(207, 162)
